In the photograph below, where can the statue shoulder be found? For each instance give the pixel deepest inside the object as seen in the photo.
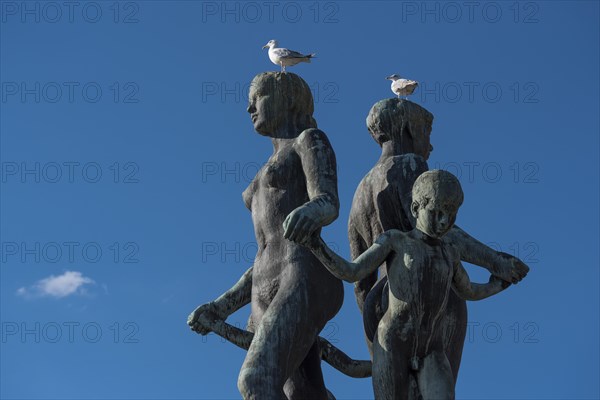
(395, 237)
(451, 247)
(312, 137)
(408, 164)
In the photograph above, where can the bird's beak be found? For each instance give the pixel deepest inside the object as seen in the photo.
(389, 77)
(265, 46)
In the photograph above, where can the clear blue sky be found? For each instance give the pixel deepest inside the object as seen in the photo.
(125, 147)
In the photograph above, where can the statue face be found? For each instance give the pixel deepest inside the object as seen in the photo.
(265, 110)
(435, 219)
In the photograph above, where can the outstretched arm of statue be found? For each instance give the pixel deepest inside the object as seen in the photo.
(319, 167)
(364, 265)
(362, 287)
(226, 304)
(468, 290)
(502, 265)
(329, 353)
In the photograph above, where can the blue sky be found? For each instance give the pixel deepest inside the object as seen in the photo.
(125, 147)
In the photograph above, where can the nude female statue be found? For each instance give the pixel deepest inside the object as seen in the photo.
(291, 292)
(382, 202)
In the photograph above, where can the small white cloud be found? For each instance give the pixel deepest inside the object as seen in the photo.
(71, 282)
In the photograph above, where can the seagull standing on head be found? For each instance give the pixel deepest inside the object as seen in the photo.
(401, 86)
(285, 57)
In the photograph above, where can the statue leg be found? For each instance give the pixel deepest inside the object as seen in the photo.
(435, 377)
(307, 381)
(390, 367)
(455, 326)
(283, 338)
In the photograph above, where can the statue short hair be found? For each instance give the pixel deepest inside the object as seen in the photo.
(399, 120)
(438, 186)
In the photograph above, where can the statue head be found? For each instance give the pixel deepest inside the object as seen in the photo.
(406, 124)
(437, 196)
(280, 102)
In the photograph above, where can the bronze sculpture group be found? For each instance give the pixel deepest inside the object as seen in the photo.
(410, 285)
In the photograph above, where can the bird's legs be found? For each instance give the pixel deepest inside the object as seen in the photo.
(282, 67)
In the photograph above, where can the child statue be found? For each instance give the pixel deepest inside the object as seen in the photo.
(423, 267)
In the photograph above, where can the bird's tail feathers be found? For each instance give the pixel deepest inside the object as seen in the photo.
(309, 56)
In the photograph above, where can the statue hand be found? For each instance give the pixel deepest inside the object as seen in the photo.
(200, 320)
(311, 242)
(300, 225)
(504, 283)
(512, 269)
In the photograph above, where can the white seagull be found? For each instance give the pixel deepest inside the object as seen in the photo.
(285, 57)
(401, 86)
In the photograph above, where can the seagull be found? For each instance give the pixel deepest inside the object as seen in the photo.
(285, 57)
(401, 86)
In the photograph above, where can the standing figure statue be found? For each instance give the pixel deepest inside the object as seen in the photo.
(292, 294)
(423, 267)
(383, 201)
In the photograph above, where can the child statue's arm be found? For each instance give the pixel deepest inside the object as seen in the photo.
(475, 291)
(362, 266)
(471, 250)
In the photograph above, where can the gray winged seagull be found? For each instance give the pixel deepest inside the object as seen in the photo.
(285, 57)
(401, 86)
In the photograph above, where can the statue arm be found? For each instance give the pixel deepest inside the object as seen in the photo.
(238, 296)
(364, 265)
(502, 265)
(468, 290)
(358, 246)
(226, 304)
(319, 167)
